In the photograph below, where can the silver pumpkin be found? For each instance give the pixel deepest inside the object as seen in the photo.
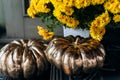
(23, 58)
(75, 55)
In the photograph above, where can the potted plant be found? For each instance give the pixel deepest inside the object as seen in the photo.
(93, 15)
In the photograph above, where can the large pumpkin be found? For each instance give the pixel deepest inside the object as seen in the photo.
(75, 54)
(24, 58)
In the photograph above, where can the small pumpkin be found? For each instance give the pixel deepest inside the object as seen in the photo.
(23, 58)
(75, 55)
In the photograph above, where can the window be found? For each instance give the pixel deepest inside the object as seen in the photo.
(25, 6)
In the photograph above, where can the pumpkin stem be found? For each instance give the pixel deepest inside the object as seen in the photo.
(77, 40)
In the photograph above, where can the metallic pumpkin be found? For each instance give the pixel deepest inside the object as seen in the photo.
(75, 55)
(23, 58)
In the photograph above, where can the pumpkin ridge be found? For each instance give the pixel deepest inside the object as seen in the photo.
(6, 54)
(100, 58)
(18, 43)
(28, 64)
(62, 53)
(37, 57)
(2, 60)
(13, 70)
(16, 56)
(3, 50)
(39, 51)
(54, 41)
(65, 62)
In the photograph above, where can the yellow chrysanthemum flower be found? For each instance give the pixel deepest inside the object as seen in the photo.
(113, 6)
(98, 25)
(31, 12)
(37, 6)
(102, 20)
(97, 32)
(69, 3)
(62, 18)
(116, 18)
(107, 5)
(96, 2)
(45, 33)
(56, 13)
(67, 10)
(71, 22)
(82, 3)
(64, 9)
(56, 3)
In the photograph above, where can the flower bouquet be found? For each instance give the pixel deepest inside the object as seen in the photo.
(94, 15)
